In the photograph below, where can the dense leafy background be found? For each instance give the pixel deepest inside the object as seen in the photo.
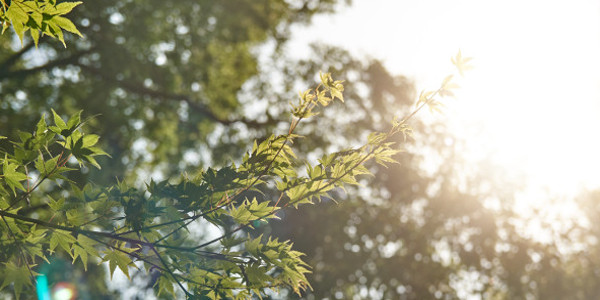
(180, 85)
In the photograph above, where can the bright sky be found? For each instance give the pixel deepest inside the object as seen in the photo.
(533, 99)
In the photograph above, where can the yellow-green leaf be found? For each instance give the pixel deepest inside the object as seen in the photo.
(66, 7)
(66, 24)
(116, 258)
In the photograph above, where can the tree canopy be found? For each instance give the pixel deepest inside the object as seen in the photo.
(191, 102)
(122, 224)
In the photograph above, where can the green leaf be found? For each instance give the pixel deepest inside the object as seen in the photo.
(40, 165)
(66, 24)
(76, 217)
(58, 121)
(83, 248)
(90, 140)
(250, 211)
(35, 235)
(97, 151)
(42, 127)
(56, 205)
(75, 119)
(18, 18)
(56, 31)
(165, 285)
(35, 35)
(18, 275)
(38, 18)
(62, 238)
(11, 223)
(78, 251)
(49, 165)
(66, 7)
(92, 161)
(253, 245)
(257, 274)
(87, 244)
(116, 258)
(11, 176)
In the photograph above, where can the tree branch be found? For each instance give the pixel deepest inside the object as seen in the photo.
(71, 60)
(193, 104)
(10, 61)
(109, 235)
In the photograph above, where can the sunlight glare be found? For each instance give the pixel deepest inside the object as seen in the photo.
(530, 106)
(533, 100)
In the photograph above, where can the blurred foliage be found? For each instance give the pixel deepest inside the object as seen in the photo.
(165, 71)
(191, 82)
(129, 228)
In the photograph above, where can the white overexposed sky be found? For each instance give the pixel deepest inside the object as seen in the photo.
(533, 98)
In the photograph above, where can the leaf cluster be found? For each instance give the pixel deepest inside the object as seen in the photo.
(133, 228)
(129, 228)
(39, 17)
